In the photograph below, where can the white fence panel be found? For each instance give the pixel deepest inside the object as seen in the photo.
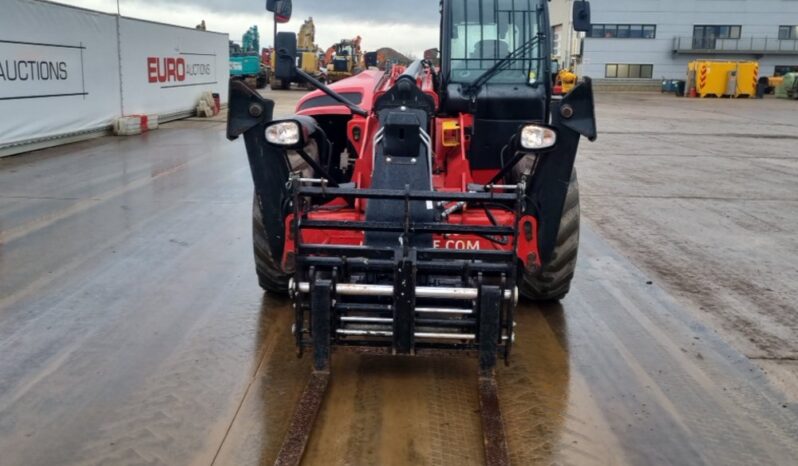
(59, 71)
(166, 68)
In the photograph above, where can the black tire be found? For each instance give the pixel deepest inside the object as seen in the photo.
(279, 84)
(553, 281)
(270, 274)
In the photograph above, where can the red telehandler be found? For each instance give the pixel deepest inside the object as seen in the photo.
(405, 212)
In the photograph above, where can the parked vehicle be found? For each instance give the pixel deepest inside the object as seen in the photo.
(406, 212)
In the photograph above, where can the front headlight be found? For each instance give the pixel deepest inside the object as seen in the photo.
(284, 133)
(534, 137)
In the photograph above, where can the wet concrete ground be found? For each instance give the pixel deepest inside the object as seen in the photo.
(702, 194)
(132, 329)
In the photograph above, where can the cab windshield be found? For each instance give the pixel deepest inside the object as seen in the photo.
(344, 50)
(486, 31)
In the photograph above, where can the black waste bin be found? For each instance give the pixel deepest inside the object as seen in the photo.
(680, 88)
(762, 87)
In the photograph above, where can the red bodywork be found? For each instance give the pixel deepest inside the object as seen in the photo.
(451, 172)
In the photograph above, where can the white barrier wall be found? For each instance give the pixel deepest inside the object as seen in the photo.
(165, 68)
(60, 70)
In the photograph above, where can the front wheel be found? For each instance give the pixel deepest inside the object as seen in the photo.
(553, 281)
(271, 276)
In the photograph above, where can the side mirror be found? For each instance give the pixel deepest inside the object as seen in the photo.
(285, 48)
(282, 9)
(581, 18)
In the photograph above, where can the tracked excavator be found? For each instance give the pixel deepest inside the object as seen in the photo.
(245, 63)
(407, 212)
(306, 57)
(344, 59)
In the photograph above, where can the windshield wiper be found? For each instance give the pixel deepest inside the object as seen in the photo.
(502, 65)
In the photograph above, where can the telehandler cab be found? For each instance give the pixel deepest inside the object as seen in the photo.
(405, 212)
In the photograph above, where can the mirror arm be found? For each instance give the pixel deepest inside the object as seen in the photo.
(322, 87)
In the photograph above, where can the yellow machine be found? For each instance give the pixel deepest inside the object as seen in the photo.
(344, 59)
(723, 79)
(307, 52)
(566, 81)
(307, 48)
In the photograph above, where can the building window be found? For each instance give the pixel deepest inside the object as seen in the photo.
(788, 32)
(628, 71)
(623, 31)
(704, 37)
(781, 70)
(556, 39)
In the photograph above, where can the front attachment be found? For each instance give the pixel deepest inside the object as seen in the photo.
(404, 299)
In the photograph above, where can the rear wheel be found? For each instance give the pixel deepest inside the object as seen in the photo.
(270, 274)
(553, 281)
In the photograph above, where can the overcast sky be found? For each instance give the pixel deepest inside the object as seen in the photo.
(405, 25)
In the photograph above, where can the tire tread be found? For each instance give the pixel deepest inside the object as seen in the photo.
(270, 274)
(553, 281)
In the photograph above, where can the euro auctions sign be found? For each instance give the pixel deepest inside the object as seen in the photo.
(165, 69)
(67, 71)
(182, 70)
(32, 70)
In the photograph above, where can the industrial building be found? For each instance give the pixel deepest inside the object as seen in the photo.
(637, 41)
